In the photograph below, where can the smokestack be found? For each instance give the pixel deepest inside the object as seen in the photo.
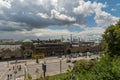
(62, 38)
(71, 37)
(79, 39)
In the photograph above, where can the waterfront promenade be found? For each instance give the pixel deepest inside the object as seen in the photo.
(52, 66)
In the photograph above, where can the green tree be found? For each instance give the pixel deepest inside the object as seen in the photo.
(111, 39)
(82, 66)
(108, 68)
(29, 76)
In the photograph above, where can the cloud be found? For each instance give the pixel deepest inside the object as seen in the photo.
(86, 35)
(12, 26)
(32, 17)
(55, 14)
(38, 13)
(87, 8)
(113, 9)
(118, 4)
(104, 19)
(93, 33)
(44, 13)
(45, 16)
(47, 32)
(5, 4)
(36, 33)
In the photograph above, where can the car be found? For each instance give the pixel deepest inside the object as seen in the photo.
(80, 54)
(74, 61)
(74, 55)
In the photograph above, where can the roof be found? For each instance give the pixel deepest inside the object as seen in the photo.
(27, 41)
(66, 41)
(97, 42)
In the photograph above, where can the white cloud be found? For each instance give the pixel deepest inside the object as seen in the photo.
(84, 7)
(113, 9)
(43, 15)
(91, 33)
(57, 15)
(54, 3)
(87, 8)
(5, 4)
(104, 19)
(34, 16)
(118, 4)
(1, 12)
(51, 12)
(39, 2)
(22, 0)
(50, 32)
(87, 34)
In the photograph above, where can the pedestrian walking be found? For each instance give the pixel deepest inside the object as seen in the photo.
(44, 69)
(8, 63)
(8, 77)
(19, 68)
(13, 67)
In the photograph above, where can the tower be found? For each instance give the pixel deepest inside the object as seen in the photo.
(71, 38)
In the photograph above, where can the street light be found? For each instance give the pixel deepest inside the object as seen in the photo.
(15, 70)
(60, 65)
(25, 72)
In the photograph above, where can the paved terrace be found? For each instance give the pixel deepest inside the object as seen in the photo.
(52, 66)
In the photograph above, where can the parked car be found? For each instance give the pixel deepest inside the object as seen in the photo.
(80, 54)
(74, 55)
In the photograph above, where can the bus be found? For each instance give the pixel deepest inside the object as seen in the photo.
(38, 55)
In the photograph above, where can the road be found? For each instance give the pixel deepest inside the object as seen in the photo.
(52, 66)
(3, 70)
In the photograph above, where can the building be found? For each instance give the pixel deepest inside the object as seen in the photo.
(28, 48)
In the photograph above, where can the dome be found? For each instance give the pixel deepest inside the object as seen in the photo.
(66, 41)
(27, 41)
(97, 42)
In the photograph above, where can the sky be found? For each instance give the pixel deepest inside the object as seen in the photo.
(51, 19)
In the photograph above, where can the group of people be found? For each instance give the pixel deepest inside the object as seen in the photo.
(15, 69)
(18, 67)
(9, 76)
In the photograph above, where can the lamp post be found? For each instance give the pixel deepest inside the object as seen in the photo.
(25, 67)
(15, 70)
(25, 72)
(60, 66)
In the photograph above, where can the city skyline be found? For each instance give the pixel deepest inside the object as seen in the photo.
(44, 19)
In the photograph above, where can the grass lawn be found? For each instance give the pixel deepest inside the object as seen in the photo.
(55, 77)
